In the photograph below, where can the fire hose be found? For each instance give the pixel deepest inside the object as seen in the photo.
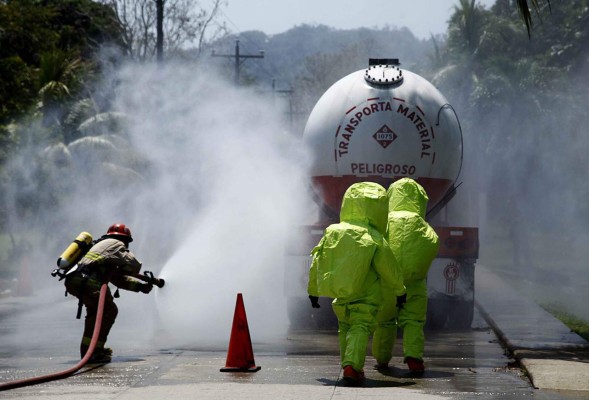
(68, 372)
(146, 277)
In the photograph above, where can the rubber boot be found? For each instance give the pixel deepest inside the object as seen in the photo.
(100, 356)
(353, 377)
(416, 366)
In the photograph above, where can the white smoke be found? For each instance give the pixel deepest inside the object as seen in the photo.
(223, 184)
(231, 179)
(525, 189)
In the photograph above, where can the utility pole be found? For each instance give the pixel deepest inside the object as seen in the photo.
(289, 93)
(238, 58)
(159, 46)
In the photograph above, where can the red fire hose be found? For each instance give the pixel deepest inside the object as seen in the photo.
(68, 372)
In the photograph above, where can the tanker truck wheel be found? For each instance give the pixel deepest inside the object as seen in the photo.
(437, 315)
(461, 315)
(449, 314)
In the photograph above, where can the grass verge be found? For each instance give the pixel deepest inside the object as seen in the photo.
(577, 325)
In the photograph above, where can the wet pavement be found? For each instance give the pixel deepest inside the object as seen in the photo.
(484, 362)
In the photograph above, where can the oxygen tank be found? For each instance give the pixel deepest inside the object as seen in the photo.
(75, 251)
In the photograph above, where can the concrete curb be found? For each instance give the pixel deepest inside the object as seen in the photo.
(553, 356)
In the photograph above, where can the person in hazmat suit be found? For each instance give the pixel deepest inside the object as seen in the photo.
(108, 260)
(415, 245)
(350, 264)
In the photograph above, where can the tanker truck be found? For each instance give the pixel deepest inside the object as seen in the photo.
(381, 124)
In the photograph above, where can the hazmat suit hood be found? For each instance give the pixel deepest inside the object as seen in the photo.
(412, 239)
(407, 195)
(367, 203)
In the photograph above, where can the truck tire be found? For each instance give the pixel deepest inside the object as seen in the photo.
(437, 315)
(449, 314)
(460, 318)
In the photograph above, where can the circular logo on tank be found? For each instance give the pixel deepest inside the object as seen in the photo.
(385, 136)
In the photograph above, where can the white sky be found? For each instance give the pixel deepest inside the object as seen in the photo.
(422, 17)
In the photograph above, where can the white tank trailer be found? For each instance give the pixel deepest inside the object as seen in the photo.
(381, 124)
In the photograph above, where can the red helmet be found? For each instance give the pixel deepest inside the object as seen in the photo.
(120, 230)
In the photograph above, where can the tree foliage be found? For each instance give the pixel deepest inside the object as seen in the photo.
(521, 101)
(34, 34)
(55, 121)
(526, 14)
(186, 23)
(49, 52)
(513, 91)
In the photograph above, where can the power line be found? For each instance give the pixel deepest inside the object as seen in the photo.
(238, 59)
(247, 38)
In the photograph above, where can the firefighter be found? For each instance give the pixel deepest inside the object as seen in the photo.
(349, 264)
(108, 260)
(415, 245)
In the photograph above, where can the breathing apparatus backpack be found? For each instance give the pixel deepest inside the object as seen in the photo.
(73, 254)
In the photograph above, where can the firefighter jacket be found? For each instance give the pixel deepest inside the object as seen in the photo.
(353, 259)
(110, 257)
(411, 238)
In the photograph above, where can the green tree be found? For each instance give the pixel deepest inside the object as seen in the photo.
(184, 23)
(49, 52)
(57, 79)
(26, 32)
(467, 34)
(511, 92)
(524, 10)
(32, 29)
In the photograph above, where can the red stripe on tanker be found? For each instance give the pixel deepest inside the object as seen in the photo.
(381, 130)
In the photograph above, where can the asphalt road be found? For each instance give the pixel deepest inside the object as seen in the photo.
(303, 365)
(298, 365)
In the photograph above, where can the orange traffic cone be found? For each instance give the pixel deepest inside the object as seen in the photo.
(24, 288)
(240, 356)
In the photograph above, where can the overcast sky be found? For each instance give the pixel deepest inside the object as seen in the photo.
(422, 17)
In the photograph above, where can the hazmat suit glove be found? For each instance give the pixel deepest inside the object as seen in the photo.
(145, 288)
(401, 300)
(314, 301)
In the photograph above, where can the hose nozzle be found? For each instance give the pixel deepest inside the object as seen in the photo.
(150, 278)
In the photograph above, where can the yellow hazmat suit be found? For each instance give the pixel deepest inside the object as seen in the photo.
(415, 245)
(350, 263)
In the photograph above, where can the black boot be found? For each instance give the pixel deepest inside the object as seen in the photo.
(101, 356)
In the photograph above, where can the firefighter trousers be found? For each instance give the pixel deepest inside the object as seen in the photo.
(88, 291)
